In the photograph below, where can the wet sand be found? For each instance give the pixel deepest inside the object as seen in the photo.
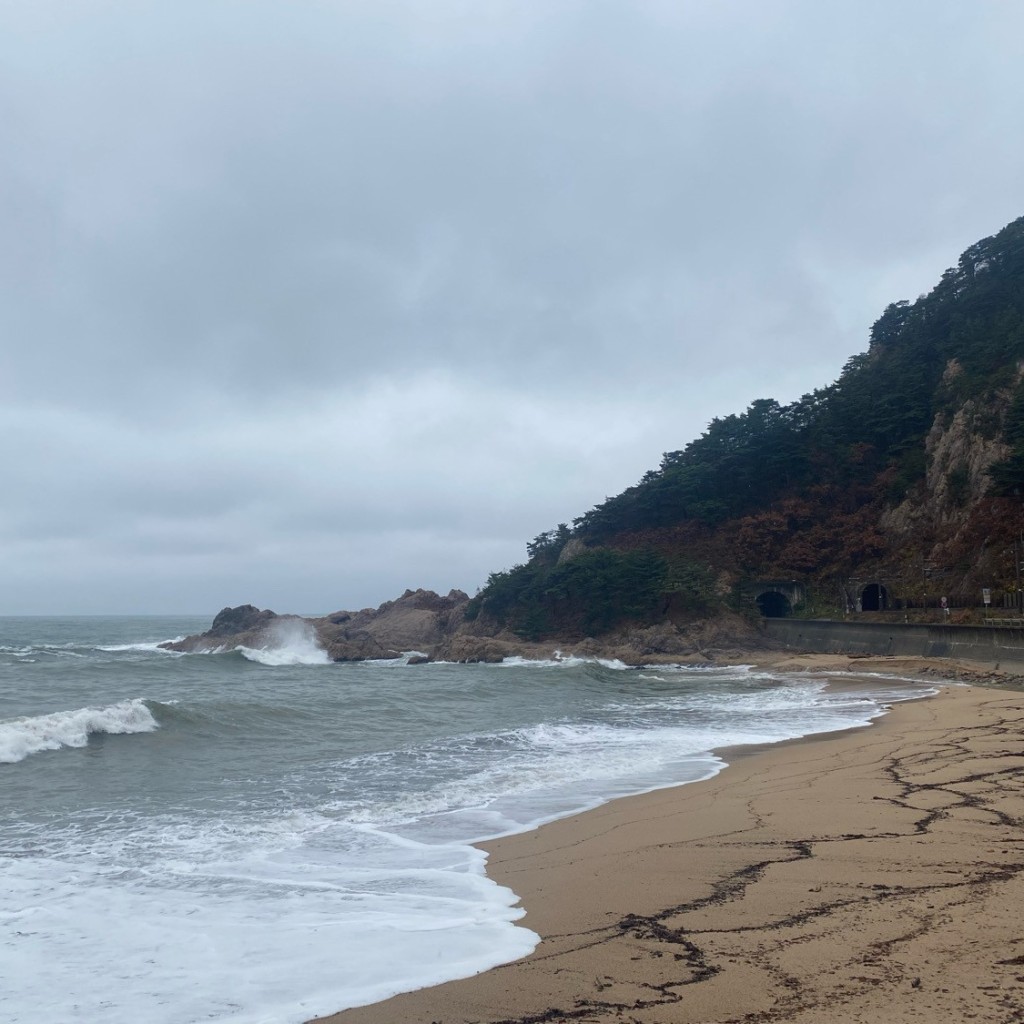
(874, 876)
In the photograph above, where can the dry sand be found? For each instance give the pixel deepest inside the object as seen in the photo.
(874, 876)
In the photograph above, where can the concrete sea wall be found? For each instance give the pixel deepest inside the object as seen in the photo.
(991, 644)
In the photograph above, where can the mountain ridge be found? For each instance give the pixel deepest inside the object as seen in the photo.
(906, 471)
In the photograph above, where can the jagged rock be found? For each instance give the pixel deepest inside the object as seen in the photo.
(664, 638)
(473, 649)
(419, 620)
(419, 659)
(244, 626)
(243, 619)
(358, 648)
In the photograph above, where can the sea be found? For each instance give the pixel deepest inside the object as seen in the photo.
(262, 836)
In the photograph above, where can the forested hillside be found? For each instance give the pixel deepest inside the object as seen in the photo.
(907, 470)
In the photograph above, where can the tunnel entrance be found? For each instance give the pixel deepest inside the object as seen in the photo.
(874, 598)
(774, 605)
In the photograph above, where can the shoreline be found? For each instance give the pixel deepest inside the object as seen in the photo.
(776, 889)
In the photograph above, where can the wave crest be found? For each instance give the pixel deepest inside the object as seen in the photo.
(21, 737)
(560, 660)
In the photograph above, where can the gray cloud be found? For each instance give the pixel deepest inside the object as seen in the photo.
(327, 301)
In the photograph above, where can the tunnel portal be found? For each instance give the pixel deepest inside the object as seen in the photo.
(874, 598)
(774, 605)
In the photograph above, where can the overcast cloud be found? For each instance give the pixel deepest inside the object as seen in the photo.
(305, 303)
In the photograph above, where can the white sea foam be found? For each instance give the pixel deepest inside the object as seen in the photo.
(559, 660)
(242, 920)
(516, 780)
(21, 737)
(52, 650)
(154, 646)
(400, 662)
(292, 642)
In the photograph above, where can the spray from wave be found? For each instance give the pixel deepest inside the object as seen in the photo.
(21, 737)
(291, 642)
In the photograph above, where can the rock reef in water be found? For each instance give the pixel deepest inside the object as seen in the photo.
(435, 627)
(417, 621)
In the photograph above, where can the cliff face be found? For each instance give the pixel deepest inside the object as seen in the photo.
(959, 457)
(956, 523)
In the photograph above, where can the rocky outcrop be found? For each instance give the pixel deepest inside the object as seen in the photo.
(949, 519)
(244, 626)
(357, 646)
(246, 618)
(419, 620)
(473, 649)
(960, 456)
(723, 636)
(960, 450)
(434, 628)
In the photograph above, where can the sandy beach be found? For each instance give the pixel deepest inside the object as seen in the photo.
(872, 876)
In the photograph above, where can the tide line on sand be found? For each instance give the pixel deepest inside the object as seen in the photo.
(871, 876)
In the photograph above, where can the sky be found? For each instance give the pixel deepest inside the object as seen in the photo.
(303, 304)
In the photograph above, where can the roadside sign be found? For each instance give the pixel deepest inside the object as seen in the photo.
(986, 596)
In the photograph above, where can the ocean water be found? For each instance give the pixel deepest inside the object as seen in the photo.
(258, 837)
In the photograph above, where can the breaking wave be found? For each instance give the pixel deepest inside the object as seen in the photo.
(560, 660)
(155, 647)
(21, 737)
(291, 643)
